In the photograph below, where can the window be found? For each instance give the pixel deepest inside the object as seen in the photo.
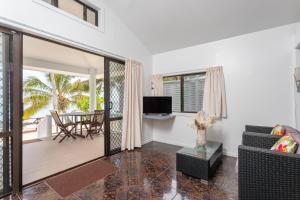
(78, 9)
(186, 91)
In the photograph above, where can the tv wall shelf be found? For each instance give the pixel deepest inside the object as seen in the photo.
(159, 116)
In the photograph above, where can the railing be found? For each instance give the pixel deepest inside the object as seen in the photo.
(29, 122)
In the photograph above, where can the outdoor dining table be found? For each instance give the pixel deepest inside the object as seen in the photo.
(78, 115)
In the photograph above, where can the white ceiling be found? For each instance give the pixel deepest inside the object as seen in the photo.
(43, 54)
(164, 25)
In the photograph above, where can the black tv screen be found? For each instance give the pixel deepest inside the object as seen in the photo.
(157, 105)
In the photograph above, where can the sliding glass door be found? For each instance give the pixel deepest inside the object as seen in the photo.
(10, 110)
(114, 77)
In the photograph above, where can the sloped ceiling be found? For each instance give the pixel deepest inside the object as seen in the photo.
(164, 25)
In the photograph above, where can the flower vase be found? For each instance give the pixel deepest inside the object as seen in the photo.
(201, 140)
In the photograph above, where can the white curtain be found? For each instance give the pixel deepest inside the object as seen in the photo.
(157, 85)
(214, 102)
(133, 105)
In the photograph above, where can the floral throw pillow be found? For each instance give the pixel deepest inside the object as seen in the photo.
(285, 144)
(296, 137)
(278, 130)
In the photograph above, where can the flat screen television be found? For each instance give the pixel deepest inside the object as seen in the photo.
(157, 105)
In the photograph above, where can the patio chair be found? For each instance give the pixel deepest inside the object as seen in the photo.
(64, 128)
(85, 122)
(96, 123)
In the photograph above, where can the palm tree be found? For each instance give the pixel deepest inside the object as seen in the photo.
(82, 101)
(58, 89)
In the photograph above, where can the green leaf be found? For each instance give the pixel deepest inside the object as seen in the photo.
(37, 103)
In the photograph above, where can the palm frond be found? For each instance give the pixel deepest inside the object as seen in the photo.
(78, 87)
(66, 84)
(37, 103)
(35, 83)
(31, 92)
(61, 80)
(82, 102)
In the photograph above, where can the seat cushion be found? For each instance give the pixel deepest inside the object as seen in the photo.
(285, 144)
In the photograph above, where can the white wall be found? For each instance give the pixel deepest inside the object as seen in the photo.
(258, 69)
(297, 64)
(116, 39)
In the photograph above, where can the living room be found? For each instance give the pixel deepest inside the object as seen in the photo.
(210, 98)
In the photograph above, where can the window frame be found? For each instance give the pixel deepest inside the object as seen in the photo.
(182, 88)
(85, 8)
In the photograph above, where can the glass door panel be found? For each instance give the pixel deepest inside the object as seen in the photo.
(5, 112)
(114, 95)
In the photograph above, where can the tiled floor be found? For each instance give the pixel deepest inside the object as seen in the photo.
(149, 173)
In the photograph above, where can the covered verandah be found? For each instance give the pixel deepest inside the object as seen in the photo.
(43, 156)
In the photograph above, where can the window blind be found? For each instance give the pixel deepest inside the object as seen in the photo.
(172, 88)
(193, 89)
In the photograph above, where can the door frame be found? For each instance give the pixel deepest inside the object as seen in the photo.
(17, 153)
(17, 143)
(17, 111)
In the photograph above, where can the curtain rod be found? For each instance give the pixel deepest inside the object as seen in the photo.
(183, 72)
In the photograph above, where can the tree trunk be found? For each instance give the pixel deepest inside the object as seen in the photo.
(54, 92)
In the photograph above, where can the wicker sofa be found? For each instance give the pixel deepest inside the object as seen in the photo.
(265, 174)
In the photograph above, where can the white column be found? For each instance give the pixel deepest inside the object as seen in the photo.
(44, 128)
(92, 86)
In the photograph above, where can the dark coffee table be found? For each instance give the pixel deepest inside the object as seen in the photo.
(200, 165)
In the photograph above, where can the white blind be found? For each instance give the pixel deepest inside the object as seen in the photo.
(172, 88)
(193, 92)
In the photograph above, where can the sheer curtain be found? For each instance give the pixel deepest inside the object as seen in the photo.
(214, 100)
(133, 105)
(157, 85)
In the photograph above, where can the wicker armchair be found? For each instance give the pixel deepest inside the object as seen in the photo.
(266, 174)
(259, 136)
(258, 129)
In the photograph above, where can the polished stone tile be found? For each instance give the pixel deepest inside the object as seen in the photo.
(72, 197)
(39, 191)
(99, 190)
(183, 196)
(150, 173)
(11, 197)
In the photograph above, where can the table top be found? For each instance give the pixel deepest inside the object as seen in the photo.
(77, 114)
(211, 148)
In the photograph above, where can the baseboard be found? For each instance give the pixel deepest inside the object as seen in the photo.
(171, 142)
(147, 141)
(231, 154)
(225, 152)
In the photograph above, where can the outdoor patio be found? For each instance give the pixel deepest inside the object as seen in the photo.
(47, 157)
